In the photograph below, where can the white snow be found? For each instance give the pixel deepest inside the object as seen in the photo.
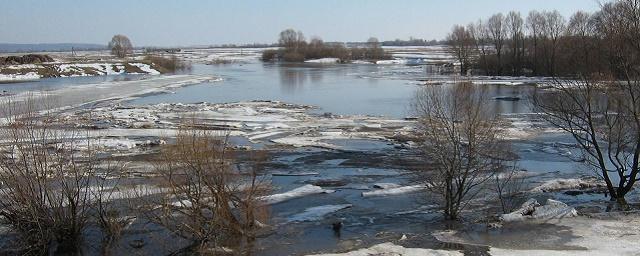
(532, 210)
(324, 61)
(295, 193)
(390, 249)
(146, 68)
(564, 184)
(317, 212)
(392, 62)
(19, 77)
(611, 234)
(394, 191)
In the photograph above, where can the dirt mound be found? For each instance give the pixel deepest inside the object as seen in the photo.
(25, 59)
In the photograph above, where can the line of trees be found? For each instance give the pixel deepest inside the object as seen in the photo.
(595, 61)
(544, 43)
(599, 107)
(295, 48)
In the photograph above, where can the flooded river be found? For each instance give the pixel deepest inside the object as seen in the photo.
(345, 89)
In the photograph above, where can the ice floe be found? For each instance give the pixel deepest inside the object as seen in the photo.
(395, 250)
(324, 61)
(531, 209)
(303, 191)
(317, 212)
(390, 191)
(565, 184)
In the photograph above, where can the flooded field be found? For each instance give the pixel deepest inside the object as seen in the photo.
(331, 130)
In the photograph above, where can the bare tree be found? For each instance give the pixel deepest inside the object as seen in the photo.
(497, 33)
(209, 200)
(534, 25)
(514, 24)
(481, 36)
(291, 40)
(463, 44)
(602, 113)
(120, 46)
(461, 139)
(582, 38)
(552, 29)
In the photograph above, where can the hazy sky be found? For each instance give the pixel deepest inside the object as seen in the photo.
(204, 22)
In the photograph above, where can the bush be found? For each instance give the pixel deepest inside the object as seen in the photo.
(269, 55)
(210, 200)
(293, 57)
(167, 64)
(45, 195)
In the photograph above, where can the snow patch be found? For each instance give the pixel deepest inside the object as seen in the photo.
(295, 193)
(531, 209)
(324, 61)
(395, 250)
(564, 184)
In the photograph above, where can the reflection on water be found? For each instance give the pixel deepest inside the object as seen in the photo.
(338, 88)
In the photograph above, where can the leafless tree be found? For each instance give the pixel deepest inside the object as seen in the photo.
(209, 200)
(552, 29)
(291, 39)
(120, 46)
(481, 39)
(463, 45)
(514, 24)
(534, 26)
(601, 112)
(461, 141)
(497, 34)
(582, 38)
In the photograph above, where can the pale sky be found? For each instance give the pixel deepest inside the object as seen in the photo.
(202, 22)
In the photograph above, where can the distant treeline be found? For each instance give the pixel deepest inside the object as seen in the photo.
(295, 48)
(542, 44)
(63, 47)
(413, 42)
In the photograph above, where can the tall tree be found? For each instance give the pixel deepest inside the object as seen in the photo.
(462, 43)
(534, 26)
(120, 46)
(496, 28)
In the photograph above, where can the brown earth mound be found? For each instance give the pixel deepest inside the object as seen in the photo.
(25, 59)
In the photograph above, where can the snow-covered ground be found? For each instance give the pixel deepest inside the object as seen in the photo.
(27, 72)
(74, 95)
(390, 249)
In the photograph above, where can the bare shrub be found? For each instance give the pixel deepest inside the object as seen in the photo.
(167, 64)
(107, 215)
(269, 55)
(461, 139)
(508, 187)
(45, 196)
(209, 200)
